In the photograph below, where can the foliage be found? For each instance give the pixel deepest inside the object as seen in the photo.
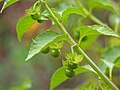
(87, 34)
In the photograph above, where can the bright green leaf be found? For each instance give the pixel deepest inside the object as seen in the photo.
(1, 0)
(96, 30)
(87, 43)
(105, 4)
(71, 10)
(8, 3)
(59, 76)
(42, 40)
(117, 62)
(23, 25)
(105, 30)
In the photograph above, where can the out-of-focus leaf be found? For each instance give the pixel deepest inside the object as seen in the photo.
(8, 3)
(25, 85)
(1, 0)
(110, 57)
(23, 25)
(89, 86)
(59, 76)
(117, 62)
(114, 41)
(71, 10)
(114, 19)
(105, 4)
(43, 40)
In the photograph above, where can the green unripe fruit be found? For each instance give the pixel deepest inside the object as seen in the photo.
(45, 51)
(69, 72)
(72, 65)
(35, 16)
(55, 52)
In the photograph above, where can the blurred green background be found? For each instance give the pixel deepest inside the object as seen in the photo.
(15, 73)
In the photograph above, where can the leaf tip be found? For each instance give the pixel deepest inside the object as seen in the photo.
(27, 59)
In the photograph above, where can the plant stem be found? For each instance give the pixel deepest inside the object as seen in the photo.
(110, 72)
(96, 68)
(61, 27)
(88, 60)
(89, 14)
(117, 26)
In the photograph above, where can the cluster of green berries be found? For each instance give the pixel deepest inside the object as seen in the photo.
(53, 52)
(37, 16)
(70, 69)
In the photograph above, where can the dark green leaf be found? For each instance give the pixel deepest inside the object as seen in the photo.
(8, 3)
(59, 76)
(23, 25)
(43, 40)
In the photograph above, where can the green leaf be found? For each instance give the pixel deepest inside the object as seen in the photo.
(110, 57)
(89, 86)
(105, 30)
(87, 43)
(43, 40)
(88, 67)
(71, 10)
(23, 25)
(1, 0)
(8, 3)
(24, 86)
(96, 30)
(105, 4)
(117, 62)
(59, 76)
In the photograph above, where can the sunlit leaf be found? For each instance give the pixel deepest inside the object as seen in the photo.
(105, 4)
(72, 10)
(96, 30)
(42, 40)
(23, 25)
